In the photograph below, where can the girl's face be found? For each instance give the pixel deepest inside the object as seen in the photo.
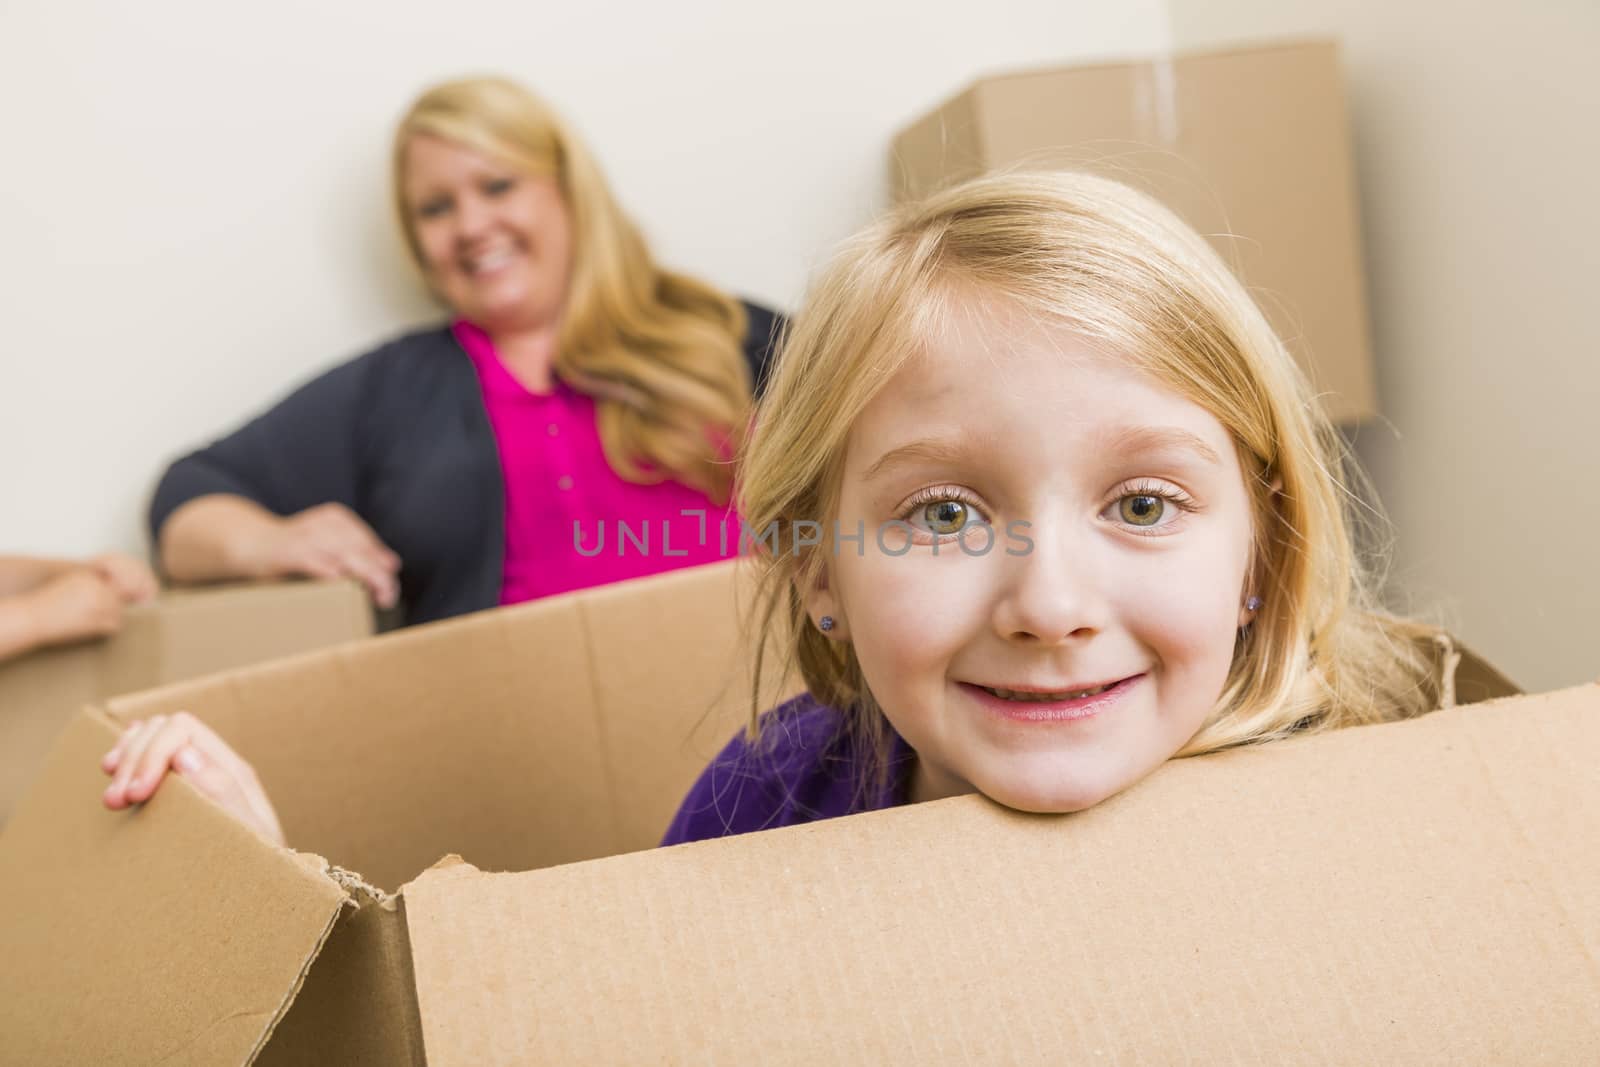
(1088, 644)
(496, 242)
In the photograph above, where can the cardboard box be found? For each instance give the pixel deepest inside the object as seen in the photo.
(1416, 891)
(184, 634)
(1251, 146)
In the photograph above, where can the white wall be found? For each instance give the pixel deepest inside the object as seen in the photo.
(1477, 145)
(196, 217)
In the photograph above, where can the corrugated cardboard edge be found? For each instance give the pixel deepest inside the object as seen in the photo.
(88, 895)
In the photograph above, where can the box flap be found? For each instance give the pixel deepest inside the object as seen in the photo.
(171, 930)
(474, 735)
(1418, 891)
(359, 1003)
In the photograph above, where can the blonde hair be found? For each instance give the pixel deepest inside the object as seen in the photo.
(1114, 266)
(661, 352)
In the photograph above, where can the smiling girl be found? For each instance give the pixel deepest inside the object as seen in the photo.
(1084, 515)
(1081, 514)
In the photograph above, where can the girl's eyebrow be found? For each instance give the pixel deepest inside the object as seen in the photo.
(1154, 438)
(935, 450)
(1125, 439)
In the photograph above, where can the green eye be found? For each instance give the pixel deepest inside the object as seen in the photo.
(1141, 509)
(945, 516)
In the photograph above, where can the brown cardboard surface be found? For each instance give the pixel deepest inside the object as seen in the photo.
(182, 635)
(175, 938)
(1415, 892)
(532, 738)
(1250, 145)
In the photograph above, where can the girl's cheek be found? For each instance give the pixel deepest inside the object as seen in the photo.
(914, 608)
(1187, 608)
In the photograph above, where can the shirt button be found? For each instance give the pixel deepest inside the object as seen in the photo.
(553, 429)
(564, 482)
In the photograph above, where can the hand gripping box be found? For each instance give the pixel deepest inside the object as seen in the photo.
(1421, 891)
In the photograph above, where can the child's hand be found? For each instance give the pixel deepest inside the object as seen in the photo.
(148, 749)
(133, 580)
(72, 606)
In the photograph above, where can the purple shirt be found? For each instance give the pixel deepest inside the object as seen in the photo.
(570, 521)
(805, 766)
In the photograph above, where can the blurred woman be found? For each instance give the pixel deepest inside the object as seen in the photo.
(577, 387)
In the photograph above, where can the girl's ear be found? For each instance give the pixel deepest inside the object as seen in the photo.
(824, 609)
(1253, 596)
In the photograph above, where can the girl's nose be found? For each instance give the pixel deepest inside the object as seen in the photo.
(1050, 593)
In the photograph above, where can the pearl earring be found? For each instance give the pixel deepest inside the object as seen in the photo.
(1253, 604)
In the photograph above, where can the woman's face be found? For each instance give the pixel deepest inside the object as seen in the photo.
(1062, 654)
(496, 241)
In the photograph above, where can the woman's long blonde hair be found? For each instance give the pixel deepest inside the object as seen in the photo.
(660, 352)
(1110, 264)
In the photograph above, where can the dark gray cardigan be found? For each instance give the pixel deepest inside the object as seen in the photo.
(400, 436)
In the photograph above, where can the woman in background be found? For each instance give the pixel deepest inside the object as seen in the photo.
(578, 386)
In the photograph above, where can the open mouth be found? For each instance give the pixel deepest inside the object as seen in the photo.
(1061, 705)
(1047, 698)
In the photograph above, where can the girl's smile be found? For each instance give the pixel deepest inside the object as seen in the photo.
(1056, 704)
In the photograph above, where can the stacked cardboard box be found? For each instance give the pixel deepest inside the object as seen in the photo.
(1250, 145)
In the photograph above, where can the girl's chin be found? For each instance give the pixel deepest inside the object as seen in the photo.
(1051, 798)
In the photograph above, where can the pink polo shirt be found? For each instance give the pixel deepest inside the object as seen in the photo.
(571, 522)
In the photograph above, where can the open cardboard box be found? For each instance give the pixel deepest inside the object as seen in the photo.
(183, 634)
(1250, 145)
(1417, 891)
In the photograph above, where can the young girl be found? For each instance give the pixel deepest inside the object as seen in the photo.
(1044, 504)
(1082, 513)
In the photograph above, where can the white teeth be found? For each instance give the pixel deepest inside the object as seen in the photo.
(1042, 698)
(489, 260)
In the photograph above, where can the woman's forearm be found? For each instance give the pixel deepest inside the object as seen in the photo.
(216, 537)
(19, 631)
(22, 574)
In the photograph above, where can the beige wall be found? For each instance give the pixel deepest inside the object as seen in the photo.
(1478, 146)
(194, 206)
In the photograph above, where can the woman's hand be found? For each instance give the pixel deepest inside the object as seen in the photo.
(331, 541)
(148, 749)
(134, 581)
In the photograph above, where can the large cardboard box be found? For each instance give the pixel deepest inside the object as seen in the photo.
(183, 634)
(1250, 145)
(1415, 892)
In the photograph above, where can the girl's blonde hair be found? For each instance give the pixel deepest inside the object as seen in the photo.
(661, 352)
(1114, 266)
